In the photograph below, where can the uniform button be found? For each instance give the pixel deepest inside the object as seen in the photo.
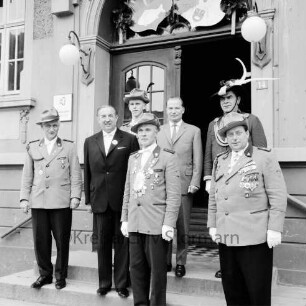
(226, 198)
(138, 204)
(226, 183)
(226, 213)
(47, 165)
(107, 172)
(47, 176)
(47, 187)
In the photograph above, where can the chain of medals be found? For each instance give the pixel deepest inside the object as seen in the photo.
(139, 188)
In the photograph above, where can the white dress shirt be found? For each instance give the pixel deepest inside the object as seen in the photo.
(177, 126)
(146, 153)
(49, 144)
(235, 157)
(108, 137)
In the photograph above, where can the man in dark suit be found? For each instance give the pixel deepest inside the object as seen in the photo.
(246, 212)
(152, 198)
(105, 164)
(51, 186)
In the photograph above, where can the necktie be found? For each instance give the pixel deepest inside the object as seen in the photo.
(173, 133)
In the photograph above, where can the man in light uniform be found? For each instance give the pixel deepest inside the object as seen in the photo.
(246, 212)
(51, 186)
(137, 100)
(152, 198)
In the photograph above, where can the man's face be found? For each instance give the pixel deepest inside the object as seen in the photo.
(107, 119)
(146, 135)
(229, 102)
(237, 138)
(50, 129)
(137, 108)
(175, 110)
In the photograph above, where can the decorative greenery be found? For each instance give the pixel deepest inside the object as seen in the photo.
(122, 17)
(240, 6)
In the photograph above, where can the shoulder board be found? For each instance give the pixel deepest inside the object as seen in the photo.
(222, 153)
(133, 153)
(168, 150)
(67, 140)
(264, 149)
(126, 124)
(33, 141)
(217, 119)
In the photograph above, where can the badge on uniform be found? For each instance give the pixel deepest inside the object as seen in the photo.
(249, 181)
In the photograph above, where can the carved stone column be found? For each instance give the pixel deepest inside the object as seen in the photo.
(24, 118)
(177, 69)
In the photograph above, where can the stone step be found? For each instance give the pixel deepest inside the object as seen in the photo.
(199, 277)
(77, 293)
(15, 291)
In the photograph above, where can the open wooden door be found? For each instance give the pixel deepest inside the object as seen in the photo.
(158, 66)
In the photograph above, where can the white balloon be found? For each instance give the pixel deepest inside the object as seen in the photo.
(69, 54)
(253, 29)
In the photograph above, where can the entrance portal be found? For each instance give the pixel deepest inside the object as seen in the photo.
(204, 65)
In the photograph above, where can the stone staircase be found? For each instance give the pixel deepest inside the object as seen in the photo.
(198, 288)
(82, 284)
(198, 232)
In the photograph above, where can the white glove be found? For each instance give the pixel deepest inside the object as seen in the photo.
(273, 238)
(74, 203)
(124, 229)
(25, 206)
(167, 232)
(192, 189)
(88, 207)
(213, 234)
(207, 185)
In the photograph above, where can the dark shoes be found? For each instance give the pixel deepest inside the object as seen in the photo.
(123, 292)
(60, 284)
(103, 291)
(169, 267)
(41, 281)
(218, 274)
(180, 270)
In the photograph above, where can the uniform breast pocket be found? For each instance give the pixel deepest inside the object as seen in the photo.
(63, 162)
(188, 170)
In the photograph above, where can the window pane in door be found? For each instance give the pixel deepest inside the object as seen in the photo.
(144, 77)
(1, 12)
(20, 44)
(19, 71)
(12, 45)
(158, 104)
(158, 78)
(16, 9)
(11, 76)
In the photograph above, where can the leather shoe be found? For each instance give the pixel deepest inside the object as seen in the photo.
(169, 267)
(103, 291)
(60, 283)
(180, 270)
(41, 281)
(123, 292)
(218, 274)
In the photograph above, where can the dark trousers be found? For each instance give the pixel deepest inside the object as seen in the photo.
(246, 274)
(148, 263)
(57, 222)
(108, 233)
(182, 232)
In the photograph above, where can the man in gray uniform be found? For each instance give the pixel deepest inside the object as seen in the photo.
(51, 186)
(246, 212)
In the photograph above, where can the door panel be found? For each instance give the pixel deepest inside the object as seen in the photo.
(146, 65)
